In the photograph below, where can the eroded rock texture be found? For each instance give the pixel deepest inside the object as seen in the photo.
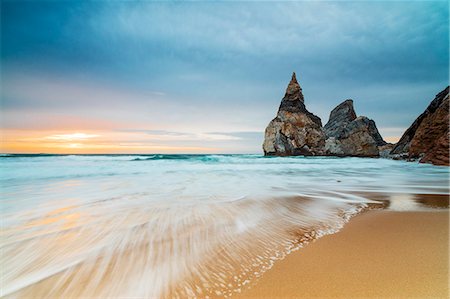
(349, 135)
(295, 130)
(427, 139)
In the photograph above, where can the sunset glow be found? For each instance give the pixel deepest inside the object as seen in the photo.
(100, 142)
(71, 137)
(96, 142)
(102, 77)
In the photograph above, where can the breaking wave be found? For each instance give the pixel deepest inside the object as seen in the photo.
(179, 226)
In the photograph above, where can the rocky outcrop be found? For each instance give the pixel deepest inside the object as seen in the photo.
(385, 150)
(340, 117)
(295, 130)
(427, 139)
(349, 135)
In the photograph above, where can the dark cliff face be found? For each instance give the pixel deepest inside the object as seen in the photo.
(295, 130)
(373, 131)
(349, 135)
(427, 138)
(340, 117)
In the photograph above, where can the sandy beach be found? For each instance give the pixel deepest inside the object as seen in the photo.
(136, 236)
(377, 254)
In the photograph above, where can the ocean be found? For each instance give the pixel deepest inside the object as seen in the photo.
(183, 225)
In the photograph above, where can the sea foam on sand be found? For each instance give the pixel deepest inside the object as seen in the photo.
(178, 226)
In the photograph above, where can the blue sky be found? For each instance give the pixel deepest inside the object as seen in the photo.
(209, 76)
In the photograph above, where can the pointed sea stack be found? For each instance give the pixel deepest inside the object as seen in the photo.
(295, 130)
(427, 139)
(349, 135)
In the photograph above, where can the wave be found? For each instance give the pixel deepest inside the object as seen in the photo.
(171, 157)
(184, 250)
(180, 225)
(127, 157)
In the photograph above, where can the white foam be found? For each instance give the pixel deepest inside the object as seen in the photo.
(179, 227)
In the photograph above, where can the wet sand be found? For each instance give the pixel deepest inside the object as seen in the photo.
(377, 254)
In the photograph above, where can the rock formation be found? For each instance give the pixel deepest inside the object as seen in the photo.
(349, 135)
(295, 130)
(427, 139)
(340, 117)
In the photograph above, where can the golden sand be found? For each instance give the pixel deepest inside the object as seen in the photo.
(377, 254)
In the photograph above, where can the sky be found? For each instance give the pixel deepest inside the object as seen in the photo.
(207, 77)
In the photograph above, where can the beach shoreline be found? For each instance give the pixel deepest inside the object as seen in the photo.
(379, 253)
(203, 226)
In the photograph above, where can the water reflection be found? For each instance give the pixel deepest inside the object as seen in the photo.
(417, 202)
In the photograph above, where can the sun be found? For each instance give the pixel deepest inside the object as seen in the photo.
(71, 137)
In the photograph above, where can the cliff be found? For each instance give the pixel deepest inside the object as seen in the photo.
(427, 139)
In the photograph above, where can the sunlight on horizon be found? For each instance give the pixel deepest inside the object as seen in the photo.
(111, 142)
(91, 143)
(71, 137)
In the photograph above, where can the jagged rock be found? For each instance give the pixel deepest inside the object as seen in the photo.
(340, 117)
(385, 150)
(427, 139)
(295, 130)
(348, 135)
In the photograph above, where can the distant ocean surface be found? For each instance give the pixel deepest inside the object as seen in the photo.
(181, 225)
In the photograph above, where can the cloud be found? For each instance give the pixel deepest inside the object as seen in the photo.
(184, 136)
(182, 69)
(161, 41)
(39, 90)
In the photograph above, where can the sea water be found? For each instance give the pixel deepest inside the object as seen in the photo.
(180, 225)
